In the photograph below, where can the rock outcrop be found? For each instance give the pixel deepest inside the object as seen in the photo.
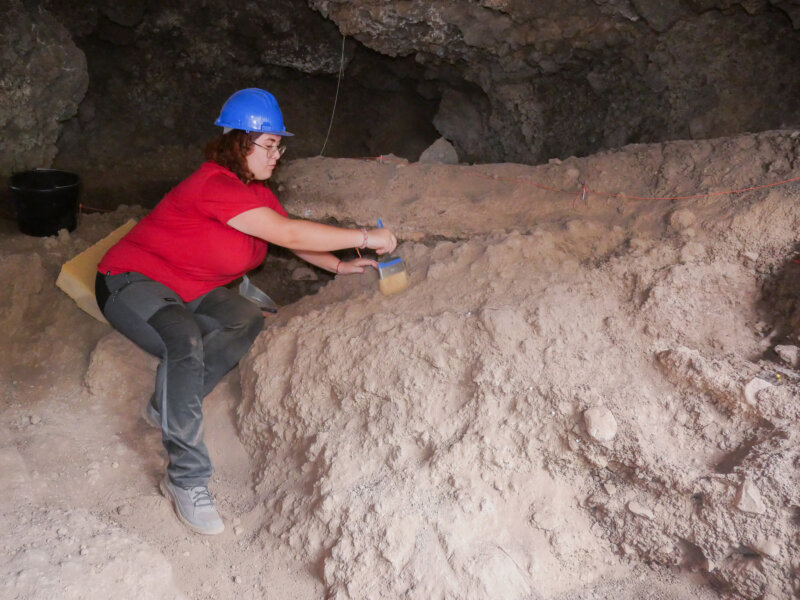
(43, 78)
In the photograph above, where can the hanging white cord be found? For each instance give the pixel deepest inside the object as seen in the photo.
(338, 83)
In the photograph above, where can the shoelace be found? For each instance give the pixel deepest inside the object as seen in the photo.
(201, 496)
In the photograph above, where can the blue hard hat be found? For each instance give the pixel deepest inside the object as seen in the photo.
(252, 109)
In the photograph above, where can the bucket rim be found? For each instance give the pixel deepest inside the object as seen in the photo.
(18, 187)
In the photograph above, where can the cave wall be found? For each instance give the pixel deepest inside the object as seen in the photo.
(125, 93)
(533, 80)
(43, 79)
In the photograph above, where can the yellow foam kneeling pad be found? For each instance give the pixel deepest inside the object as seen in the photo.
(77, 275)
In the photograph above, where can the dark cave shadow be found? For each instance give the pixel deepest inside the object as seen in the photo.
(779, 303)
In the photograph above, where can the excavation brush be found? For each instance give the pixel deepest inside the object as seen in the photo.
(392, 273)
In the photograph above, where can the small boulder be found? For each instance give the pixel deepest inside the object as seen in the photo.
(767, 547)
(600, 423)
(752, 388)
(750, 257)
(748, 498)
(640, 510)
(441, 151)
(788, 354)
(681, 219)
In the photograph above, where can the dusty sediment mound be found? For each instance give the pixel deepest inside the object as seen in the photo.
(542, 407)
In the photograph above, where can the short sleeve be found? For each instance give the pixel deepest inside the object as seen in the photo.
(270, 199)
(224, 197)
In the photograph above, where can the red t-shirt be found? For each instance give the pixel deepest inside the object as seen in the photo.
(185, 242)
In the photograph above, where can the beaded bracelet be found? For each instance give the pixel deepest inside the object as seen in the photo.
(337, 267)
(364, 243)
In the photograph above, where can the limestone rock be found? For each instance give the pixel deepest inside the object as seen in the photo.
(131, 378)
(681, 219)
(767, 547)
(686, 365)
(640, 510)
(600, 423)
(752, 388)
(748, 498)
(750, 256)
(789, 354)
(441, 151)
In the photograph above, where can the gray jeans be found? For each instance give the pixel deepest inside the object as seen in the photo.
(198, 342)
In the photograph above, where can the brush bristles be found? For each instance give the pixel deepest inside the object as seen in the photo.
(390, 267)
(394, 283)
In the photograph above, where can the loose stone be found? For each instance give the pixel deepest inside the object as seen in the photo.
(600, 423)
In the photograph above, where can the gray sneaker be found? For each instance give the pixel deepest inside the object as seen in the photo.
(194, 507)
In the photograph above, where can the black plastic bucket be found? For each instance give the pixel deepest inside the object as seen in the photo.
(46, 200)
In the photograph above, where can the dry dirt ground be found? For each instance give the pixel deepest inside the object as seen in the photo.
(588, 391)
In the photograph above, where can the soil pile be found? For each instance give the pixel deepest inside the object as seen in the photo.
(518, 415)
(534, 403)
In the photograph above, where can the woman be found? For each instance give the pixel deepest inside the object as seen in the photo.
(163, 284)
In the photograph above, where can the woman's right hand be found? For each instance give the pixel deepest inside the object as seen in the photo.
(381, 240)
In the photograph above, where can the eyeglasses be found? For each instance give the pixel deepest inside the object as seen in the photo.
(272, 150)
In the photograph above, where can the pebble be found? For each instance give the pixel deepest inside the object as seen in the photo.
(640, 510)
(767, 547)
(752, 388)
(748, 498)
(682, 219)
(34, 419)
(124, 510)
(440, 152)
(788, 354)
(751, 256)
(600, 423)
(627, 549)
(238, 530)
(237, 579)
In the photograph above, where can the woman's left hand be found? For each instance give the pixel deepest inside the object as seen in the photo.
(358, 265)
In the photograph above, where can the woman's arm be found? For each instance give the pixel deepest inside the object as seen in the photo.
(327, 261)
(297, 234)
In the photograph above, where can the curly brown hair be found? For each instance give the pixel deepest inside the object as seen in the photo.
(230, 150)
